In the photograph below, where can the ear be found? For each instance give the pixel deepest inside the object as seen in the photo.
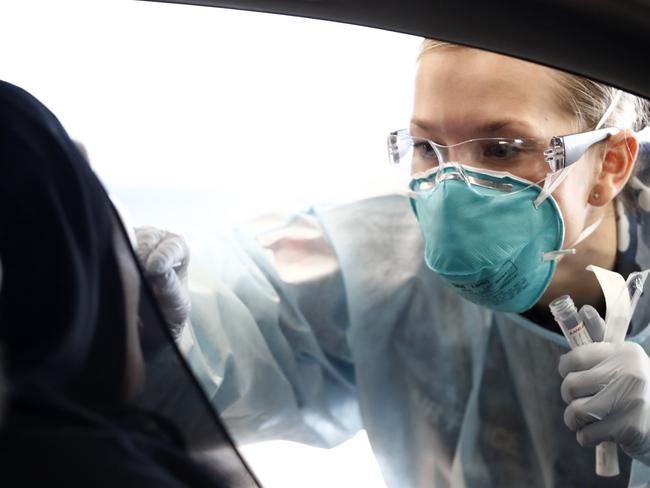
(616, 165)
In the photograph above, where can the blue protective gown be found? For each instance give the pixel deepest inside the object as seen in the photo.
(313, 327)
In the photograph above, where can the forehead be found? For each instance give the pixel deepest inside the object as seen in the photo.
(459, 89)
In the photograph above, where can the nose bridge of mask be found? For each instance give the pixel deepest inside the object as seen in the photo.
(456, 171)
(475, 178)
(478, 180)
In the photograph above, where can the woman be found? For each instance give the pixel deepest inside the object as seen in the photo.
(452, 373)
(69, 324)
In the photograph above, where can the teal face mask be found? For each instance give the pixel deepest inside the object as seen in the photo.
(484, 236)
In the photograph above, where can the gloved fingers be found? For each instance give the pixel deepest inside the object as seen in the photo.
(160, 251)
(628, 428)
(623, 394)
(620, 411)
(147, 238)
(594, 322)
(585, 383)
(170, 253)
(584, 357)
(165, 257)
(172, 296)
(167, 284)
(583, 411)
(595, 433)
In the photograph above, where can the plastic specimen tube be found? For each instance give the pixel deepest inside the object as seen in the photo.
(566, 315)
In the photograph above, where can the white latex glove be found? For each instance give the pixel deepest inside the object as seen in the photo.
(607, 389)
(594, 323)
(165, 258)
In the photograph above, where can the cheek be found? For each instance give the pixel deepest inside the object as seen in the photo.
(571, 197)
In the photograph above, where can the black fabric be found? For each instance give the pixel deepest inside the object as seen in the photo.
(60, 288)
(63, 323)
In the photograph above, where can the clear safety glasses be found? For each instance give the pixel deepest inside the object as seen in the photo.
(527, 158)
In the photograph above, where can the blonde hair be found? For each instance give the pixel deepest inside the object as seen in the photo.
(585, 99)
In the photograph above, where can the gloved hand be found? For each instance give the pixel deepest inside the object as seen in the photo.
(165, 258)
(594, 323)
(607, 389)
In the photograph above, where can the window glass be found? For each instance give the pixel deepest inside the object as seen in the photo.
(198, 120)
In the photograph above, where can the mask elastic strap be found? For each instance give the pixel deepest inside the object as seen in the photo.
(586, 232)
(610, 109)
(552, 181)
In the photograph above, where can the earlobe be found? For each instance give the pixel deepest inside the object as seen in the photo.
(595, 196)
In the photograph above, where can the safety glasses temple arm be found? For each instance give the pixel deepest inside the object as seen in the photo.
(575, 145)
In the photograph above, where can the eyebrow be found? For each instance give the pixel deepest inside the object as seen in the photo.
(491, 127)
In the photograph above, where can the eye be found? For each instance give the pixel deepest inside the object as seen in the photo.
(501, 150)
(424, 150)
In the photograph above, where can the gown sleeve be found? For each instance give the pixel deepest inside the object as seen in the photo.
(267, 338)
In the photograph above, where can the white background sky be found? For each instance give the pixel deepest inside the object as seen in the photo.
(193, 114)
(261, 109)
